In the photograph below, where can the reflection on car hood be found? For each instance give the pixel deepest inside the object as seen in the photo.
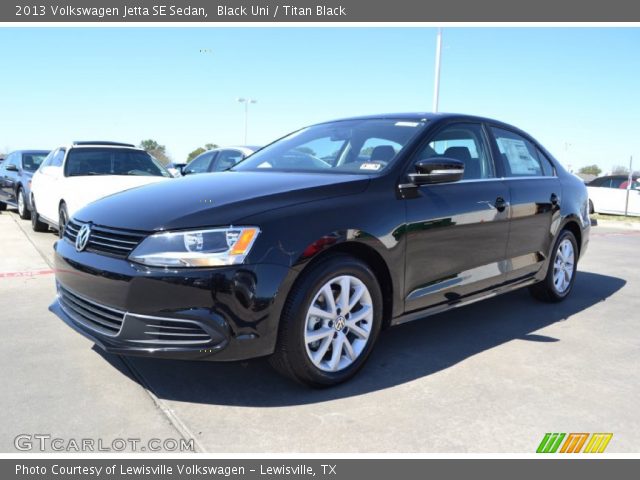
(215, 199)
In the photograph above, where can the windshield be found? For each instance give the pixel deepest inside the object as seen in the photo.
(353, 146)
(32, 160)
(112, 161)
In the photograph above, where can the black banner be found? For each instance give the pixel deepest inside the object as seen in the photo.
(318, 11)
(412, 469)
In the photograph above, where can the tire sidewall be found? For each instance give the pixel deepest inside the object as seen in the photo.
(321, 274)
(566, 234)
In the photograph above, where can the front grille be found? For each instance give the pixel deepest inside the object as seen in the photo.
(99, 317)
(174, 332)
(108, 241)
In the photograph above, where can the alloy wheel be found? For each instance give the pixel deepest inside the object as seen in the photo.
(563, 266)
(338, 323)
(21, 205)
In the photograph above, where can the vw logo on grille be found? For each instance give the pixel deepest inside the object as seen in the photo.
(83, 237)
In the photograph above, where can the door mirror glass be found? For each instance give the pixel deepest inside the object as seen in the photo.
(437, 170)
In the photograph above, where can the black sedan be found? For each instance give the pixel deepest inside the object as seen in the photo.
(15, 179)
(308, 248)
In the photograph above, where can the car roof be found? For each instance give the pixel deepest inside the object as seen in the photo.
(424, 117)
(36, 151)
(100, 144)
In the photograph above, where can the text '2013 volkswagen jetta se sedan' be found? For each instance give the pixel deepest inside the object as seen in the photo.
(308, 248)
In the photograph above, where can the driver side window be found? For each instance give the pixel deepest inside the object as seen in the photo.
(464, 142)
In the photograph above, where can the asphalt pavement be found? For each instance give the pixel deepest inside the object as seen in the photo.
(494, 376)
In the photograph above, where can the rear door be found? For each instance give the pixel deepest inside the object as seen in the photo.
(536, 196)
(456, 233)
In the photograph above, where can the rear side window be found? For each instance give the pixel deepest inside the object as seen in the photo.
(521, 158)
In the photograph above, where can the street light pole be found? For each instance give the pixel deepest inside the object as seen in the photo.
(436, 81)
(246, 102)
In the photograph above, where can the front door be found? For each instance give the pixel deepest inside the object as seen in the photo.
(456, 232)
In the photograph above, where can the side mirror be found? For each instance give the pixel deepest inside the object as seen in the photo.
(12, 168)
(437, 170)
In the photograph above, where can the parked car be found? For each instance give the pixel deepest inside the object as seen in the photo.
(74, 176)
(609, 195)
(308, 248)
(218, 159)
(15, 179)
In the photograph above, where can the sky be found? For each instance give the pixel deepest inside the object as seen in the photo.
(577, 90)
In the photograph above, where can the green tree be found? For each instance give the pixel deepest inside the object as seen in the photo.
(591, 170)
(195, 153)
(153, 148)
(199, 150)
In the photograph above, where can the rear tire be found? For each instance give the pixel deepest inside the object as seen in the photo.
(63, 218)
(36, 224)
(23, 210)
(591, 209)
(561, 273)
(324, 340)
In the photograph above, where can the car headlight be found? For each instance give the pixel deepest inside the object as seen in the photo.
(196, 248)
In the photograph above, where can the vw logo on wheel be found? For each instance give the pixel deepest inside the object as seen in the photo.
(83, 237)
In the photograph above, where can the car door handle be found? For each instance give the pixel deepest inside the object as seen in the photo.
(500, 204)
(554, 199)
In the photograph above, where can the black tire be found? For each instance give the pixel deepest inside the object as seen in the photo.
(3, 207)
(36, 224)
(546, 290)
(24, 213)
(591, 210)
(63, 218)
(290, 357)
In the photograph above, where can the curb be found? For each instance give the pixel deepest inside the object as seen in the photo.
(616, 224)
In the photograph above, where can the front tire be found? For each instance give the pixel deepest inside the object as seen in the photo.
(561, 272)
(330, 322)
(23, 210)
(3, 207)
(36, 224)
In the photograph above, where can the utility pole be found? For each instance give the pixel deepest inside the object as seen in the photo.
(246, 102)
(436, 81)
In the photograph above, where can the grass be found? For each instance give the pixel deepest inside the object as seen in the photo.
(614, 218)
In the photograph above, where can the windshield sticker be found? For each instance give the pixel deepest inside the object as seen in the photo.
(407, 124)
(370, 166)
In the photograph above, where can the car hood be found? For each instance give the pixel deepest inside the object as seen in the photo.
(87, 189)
(215, 199)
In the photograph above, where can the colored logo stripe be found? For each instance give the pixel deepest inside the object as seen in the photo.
(574, 442)
(550, 443)
(598, 442)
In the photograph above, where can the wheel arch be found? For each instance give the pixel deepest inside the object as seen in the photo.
(372, 258)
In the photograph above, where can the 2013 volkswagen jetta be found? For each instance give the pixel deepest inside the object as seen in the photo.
(308, 248)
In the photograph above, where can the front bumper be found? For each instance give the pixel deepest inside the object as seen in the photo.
(227, 313)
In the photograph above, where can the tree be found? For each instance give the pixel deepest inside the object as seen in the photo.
(199, 150)
(153, 148)
(620, 170)
(195, 153)
(591, 170)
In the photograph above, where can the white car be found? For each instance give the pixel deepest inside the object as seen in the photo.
(74, 176)
(609, 195)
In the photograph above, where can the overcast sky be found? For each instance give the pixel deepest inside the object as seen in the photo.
(574, 89)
